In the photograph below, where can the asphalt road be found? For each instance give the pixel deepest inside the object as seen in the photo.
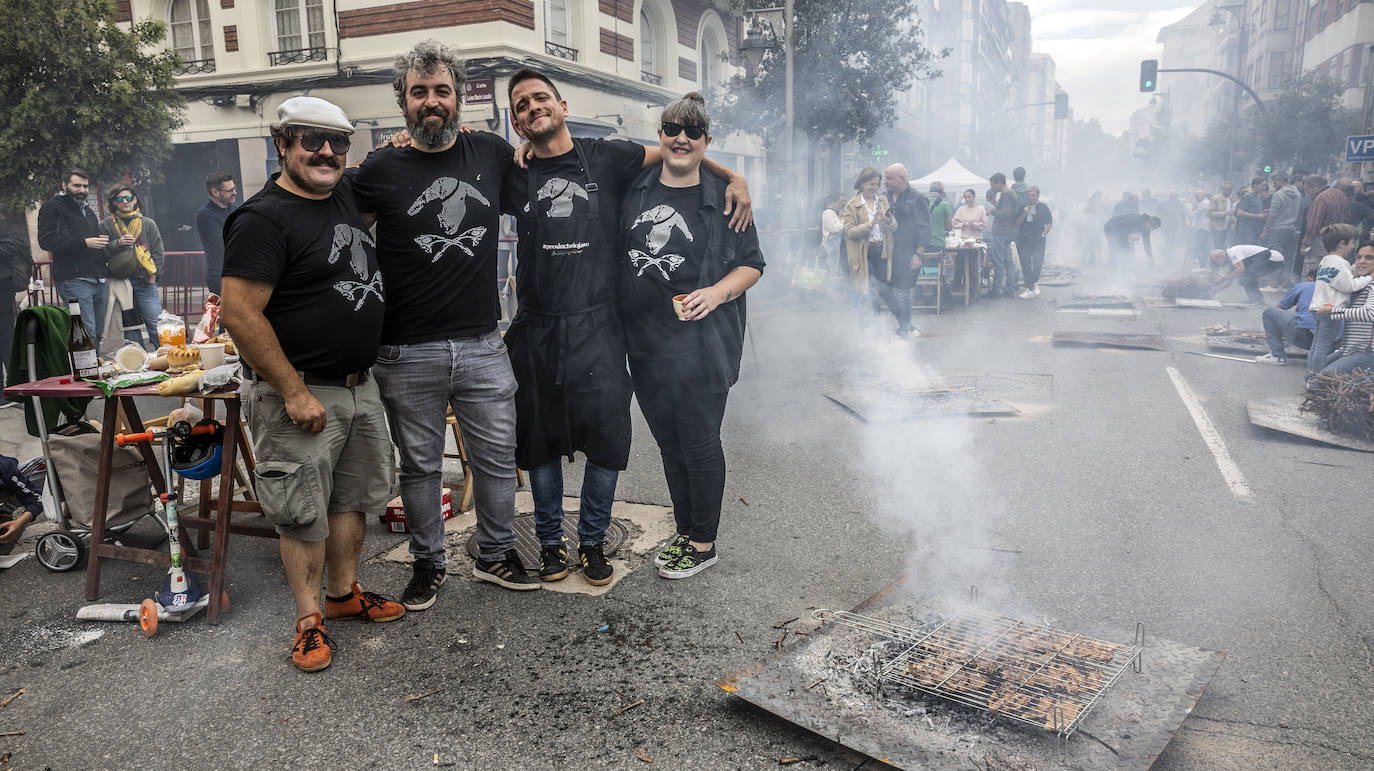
(1100, 510)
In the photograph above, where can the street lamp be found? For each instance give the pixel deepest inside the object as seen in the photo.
(769, 28)
(1242, 44)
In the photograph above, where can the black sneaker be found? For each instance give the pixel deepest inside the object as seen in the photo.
(595, 568)
(689, 563)
(553, 562)
(423, 587)
(508, 573)
(671, 550)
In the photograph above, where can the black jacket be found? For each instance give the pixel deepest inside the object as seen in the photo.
(723, 334)
(63, 231)
(912, 211)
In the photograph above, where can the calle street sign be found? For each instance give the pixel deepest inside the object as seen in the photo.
(1359, 149)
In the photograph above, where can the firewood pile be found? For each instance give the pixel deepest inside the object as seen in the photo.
(1343, 403)
(1195, 287)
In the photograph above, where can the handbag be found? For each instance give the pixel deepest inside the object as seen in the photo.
(124, 263)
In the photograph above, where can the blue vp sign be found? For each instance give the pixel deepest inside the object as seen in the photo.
(1359, 149)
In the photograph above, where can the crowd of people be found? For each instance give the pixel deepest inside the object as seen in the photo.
(885, 233)
(364, 303)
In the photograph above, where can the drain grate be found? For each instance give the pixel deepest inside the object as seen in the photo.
(527, 544)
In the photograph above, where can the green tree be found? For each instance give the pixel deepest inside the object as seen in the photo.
(80, 90)
(1305, 125)
(851, 60)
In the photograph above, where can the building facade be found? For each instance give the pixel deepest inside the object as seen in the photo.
(616, 62)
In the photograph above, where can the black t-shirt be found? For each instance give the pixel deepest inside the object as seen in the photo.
(665, 247)
(437, 232)
(327, 299)
(560, 274)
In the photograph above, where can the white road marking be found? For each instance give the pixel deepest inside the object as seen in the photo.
(1211, 436)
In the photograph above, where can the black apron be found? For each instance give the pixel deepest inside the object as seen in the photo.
(566, 343)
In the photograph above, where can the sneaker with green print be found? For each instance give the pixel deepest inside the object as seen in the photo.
(671, 550)
(689, 563)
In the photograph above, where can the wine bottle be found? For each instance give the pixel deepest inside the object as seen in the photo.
(80, 347)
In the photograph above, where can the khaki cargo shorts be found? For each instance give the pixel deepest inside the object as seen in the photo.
(301, 477)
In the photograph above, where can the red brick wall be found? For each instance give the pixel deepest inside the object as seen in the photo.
(621, 9)
(427, 14)
(618, 45)
(231, 37)
(122, 11)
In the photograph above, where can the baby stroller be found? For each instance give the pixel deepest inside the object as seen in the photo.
(77, 448)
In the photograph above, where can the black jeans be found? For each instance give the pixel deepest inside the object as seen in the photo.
(1032, 254)
(1257, 266)
(684, 415)
(896, 299)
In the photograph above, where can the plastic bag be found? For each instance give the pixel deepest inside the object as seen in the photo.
(209, 321)
(171, 330)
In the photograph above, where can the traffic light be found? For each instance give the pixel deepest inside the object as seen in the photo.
(1267, 168)
(1149, 74)
(1061, 106)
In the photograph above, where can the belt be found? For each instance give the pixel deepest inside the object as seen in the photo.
(351, 380)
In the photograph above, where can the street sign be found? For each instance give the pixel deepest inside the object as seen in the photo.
(878, 151)
(1359, 149)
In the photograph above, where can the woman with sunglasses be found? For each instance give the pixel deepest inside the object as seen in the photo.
(134, 257)
(679, 251)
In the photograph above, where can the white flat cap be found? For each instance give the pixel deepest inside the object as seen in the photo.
(314, 112)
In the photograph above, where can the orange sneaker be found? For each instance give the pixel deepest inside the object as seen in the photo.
(313, 648)
(364, 605)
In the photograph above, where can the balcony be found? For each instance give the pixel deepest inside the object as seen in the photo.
(194, 66)
(297, 56)
(649, 77)
(562, 52)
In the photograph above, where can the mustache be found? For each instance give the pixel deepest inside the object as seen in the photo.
(437, 112)
(320, 160)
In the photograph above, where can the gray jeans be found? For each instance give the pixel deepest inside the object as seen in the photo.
(472, 375)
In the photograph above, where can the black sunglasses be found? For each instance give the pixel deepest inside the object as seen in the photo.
(312, 141)
(673, 129)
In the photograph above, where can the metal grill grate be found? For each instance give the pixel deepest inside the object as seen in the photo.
(1025, 672)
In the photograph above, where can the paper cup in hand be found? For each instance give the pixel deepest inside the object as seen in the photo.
(211, 355)
(677, 307)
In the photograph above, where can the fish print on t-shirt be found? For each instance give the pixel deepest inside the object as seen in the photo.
(350, 240)
(664, 219)
(453, 195)
(561, 192)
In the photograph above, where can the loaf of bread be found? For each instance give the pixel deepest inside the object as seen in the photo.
(182, 384)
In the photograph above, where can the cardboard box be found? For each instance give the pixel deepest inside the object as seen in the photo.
(395, 517)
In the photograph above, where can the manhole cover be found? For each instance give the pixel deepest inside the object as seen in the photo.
(527, 545)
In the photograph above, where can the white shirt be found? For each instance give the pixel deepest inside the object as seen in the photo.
(875, 236)
(1240, 252)
(831, 225)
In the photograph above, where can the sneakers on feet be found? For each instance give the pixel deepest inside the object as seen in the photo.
(553, 562)
(365, 605)
(671, 551)
(508, 573)
(423, 588)
(689, 563)
(595, 568)
(1035, 290)
(313, 648)
(1025, 294)
(1270, 358)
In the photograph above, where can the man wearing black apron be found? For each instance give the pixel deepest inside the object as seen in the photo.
(566, 342)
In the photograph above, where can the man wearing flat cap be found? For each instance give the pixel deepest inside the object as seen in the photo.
(303, 298)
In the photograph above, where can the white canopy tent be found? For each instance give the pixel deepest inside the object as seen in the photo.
(955, 177)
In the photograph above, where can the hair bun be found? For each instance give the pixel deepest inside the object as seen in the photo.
(696, 97)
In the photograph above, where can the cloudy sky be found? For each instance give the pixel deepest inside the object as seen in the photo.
(1097, 46)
